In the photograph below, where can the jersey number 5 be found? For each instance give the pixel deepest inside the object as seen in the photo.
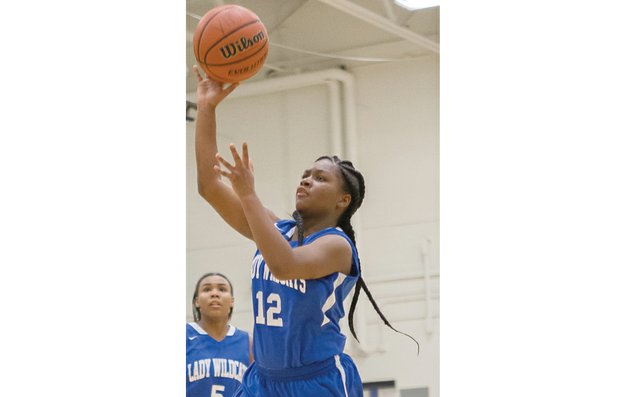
(274, 301)
(215, 389)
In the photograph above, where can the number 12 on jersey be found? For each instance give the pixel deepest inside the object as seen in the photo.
(273, 302)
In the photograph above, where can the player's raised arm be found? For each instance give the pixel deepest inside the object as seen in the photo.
(210, 185)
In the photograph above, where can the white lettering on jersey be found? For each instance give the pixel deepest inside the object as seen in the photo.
(222, 368)
(258, 261)
(199, 369)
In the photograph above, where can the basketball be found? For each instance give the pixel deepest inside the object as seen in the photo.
(230, 43)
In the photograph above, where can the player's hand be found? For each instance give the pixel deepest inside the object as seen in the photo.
(210, 92)
(241, 174)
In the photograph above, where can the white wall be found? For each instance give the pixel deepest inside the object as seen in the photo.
(398, 121)
(397, 109)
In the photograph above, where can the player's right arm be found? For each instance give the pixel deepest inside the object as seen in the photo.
(210, 185)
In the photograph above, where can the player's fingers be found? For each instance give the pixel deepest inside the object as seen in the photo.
(230, 88)
(197, 73)
(224, 162)
(221, 171)
(246, 155)
(235, 154)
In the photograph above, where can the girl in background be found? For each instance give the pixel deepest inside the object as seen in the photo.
(217, 353)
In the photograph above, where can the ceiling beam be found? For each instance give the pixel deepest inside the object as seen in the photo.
(387, 4)
(382, 23)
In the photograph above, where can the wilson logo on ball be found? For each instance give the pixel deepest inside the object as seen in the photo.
(231, 49)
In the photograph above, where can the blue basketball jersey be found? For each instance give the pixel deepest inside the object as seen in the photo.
(215, 368)
(296, 321)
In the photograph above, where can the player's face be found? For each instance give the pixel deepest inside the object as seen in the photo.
(320, 188)
(214, 298)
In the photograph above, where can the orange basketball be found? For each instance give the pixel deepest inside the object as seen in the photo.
(230, 43)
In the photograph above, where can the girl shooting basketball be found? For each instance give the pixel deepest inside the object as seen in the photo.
(303, 268)
(217, 353)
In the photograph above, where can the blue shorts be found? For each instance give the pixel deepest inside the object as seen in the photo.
(334, 377)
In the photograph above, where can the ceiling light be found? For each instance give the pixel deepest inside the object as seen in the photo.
(417, 4)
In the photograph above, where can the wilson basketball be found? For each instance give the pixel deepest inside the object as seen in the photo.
(230, 43)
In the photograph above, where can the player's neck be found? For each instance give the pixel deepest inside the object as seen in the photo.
(215, 328)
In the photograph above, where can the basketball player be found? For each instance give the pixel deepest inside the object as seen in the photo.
(217, 353)
(303, 268)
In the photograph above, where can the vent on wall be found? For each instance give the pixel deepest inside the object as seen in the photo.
(384, 388)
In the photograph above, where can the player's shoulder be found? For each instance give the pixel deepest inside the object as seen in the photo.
(192, 328)
(338, 239)
(237, 332)
(331, 233)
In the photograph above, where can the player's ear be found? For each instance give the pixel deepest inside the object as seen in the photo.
(344, 201)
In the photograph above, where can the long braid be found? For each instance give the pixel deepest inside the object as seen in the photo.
(354, 184)
(374, 304)
(300, 227)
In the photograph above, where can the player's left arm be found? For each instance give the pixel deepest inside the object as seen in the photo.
(326, 255)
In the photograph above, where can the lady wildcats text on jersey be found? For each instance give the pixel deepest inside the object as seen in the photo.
(215, 367)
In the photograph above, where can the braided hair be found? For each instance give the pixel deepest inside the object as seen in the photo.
(355, 186)
(195, 310)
